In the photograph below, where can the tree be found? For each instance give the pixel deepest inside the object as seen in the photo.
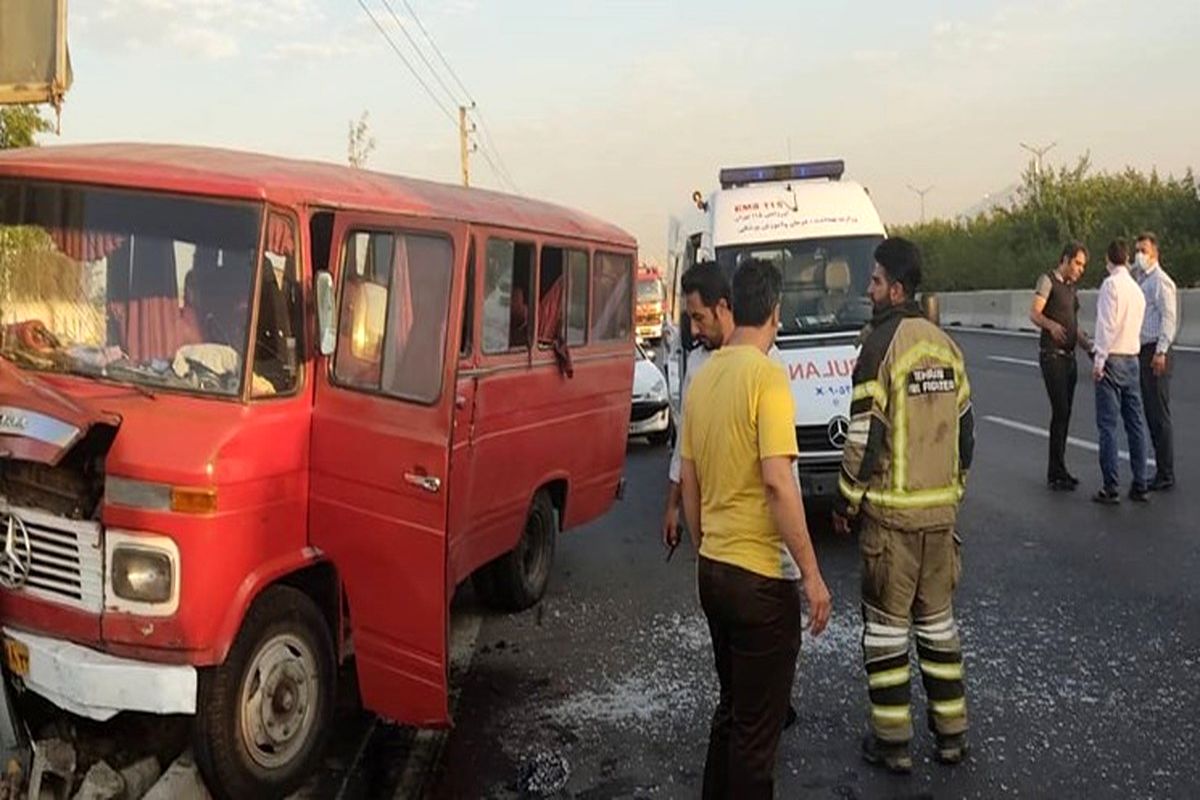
(361, 142)
(20, 125)
(1006, 248)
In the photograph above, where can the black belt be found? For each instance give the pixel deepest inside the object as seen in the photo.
(1064, 353)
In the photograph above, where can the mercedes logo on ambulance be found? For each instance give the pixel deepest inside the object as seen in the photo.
(839, 428)
(17, 556)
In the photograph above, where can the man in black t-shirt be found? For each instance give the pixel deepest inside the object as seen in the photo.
(1056, 312)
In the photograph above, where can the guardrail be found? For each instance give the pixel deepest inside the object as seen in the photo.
(1009, 310)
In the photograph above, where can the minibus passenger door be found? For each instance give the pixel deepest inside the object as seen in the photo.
(380, 455)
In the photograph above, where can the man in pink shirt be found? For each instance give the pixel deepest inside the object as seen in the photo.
(1119, 313)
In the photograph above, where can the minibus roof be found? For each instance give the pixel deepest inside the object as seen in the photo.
(235, 174)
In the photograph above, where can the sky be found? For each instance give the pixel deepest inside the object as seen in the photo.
(622, 108)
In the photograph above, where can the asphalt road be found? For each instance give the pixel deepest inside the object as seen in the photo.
(1081, 626)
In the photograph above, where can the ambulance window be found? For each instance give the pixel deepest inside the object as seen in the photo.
(612, 302)
(277, 342)
(507, 288)
(551, 293)
(392, 324)
(578, 289)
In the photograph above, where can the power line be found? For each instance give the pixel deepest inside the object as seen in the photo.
(500, 176)
(502, 172)
(421, 53)
(408, 64)
(438, 51)
(487, 135)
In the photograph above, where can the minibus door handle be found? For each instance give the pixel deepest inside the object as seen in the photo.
(427, 482)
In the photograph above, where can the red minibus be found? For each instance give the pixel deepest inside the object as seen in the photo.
(259, 416)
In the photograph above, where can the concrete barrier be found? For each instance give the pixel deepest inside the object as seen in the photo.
(1009, 310)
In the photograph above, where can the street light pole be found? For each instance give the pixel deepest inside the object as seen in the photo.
(1038, 154)
(921, 193)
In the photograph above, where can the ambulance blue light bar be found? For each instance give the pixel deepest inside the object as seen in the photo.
(742, 176)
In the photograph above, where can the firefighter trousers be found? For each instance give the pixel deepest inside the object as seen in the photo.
(908, 582)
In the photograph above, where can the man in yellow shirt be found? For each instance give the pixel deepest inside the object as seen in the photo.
(745, 514)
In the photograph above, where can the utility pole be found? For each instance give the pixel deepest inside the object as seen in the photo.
(464, 152)
(1038, 154)
(922, 193)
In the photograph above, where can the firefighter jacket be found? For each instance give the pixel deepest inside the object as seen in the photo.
(912, 431)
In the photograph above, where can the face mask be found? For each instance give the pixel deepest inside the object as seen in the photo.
(1141, 261)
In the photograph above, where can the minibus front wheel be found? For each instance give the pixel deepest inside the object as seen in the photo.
(263, 717)
(517, 580)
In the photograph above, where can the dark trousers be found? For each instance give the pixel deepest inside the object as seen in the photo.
(1060, 372)
(1156, 396)
(755, 627)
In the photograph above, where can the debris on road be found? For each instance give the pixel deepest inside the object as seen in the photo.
(102, 782)
(543, 775)
(53, 772)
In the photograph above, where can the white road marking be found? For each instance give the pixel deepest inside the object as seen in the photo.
(1024, 362)
(1045, 434)
(428, 743)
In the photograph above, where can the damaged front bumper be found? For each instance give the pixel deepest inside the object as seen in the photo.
(98, 685)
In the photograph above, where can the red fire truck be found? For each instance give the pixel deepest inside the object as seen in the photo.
(651, 304)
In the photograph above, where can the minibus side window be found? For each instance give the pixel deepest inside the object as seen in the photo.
(612, 309)
(392, 322)
(551, 293)
(578, 288)
(507, 288)
(468, 319)
(277, 341)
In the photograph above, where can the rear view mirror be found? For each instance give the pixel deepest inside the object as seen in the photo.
(327, 336)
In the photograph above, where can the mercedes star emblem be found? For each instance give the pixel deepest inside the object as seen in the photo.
(839, 428)
(17, 557)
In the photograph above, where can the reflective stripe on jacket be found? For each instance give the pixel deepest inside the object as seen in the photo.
(911, 437)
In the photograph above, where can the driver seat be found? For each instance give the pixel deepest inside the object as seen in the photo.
(837, 286)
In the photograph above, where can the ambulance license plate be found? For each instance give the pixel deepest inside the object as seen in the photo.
(16, 654)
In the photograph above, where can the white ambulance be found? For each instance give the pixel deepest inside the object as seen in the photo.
(821, 231)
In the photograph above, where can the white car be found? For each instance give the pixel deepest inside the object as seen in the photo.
(651, 414)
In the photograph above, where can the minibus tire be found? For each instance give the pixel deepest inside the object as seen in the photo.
(282, 617)
(517, 580)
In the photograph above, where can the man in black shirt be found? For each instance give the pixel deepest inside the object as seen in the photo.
(1056, 312)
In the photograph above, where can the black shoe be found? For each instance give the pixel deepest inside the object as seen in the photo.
(791, 717)
(1063, 485)
(1109, 497)
(893, 757)
(952, 750)
(1161, 484)
(1139, 494)
(1074, 481)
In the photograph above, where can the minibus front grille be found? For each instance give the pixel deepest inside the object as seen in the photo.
(66, 558)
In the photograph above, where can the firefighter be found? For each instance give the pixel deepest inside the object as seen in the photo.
(904, 468)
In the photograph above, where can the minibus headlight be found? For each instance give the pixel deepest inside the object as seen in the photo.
(142, 575)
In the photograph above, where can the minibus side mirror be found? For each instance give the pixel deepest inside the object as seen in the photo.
(326, 335)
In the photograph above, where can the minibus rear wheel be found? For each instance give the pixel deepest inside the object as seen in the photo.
(517, 580)
(263, 717)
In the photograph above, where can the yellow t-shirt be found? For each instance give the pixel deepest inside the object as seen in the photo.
(739, 411)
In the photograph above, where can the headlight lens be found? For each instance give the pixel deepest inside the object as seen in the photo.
(142, 575)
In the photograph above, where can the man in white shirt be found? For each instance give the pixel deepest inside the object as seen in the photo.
(1120, 310)
(1158, 334)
